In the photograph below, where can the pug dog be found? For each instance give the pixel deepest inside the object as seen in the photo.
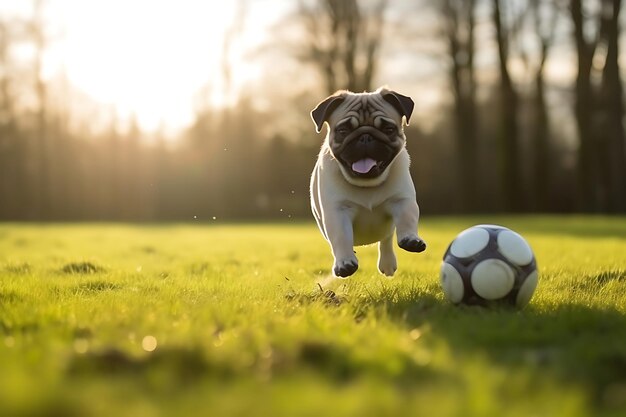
(361, 188)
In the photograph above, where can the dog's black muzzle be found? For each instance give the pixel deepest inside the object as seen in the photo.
(367, 156)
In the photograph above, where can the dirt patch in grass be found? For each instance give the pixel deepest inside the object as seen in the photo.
(97, 286)
(81, 268)
(328, 297)
(21, 269)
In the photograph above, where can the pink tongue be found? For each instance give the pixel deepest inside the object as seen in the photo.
(363, 166)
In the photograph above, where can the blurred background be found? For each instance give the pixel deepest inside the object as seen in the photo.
(194, 110)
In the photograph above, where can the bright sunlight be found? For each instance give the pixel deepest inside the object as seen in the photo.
(152, 60)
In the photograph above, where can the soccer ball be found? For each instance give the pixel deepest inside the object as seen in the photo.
(488, 264)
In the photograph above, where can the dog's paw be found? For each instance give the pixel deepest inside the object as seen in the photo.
(387, 267)
(346, 267)
(412, 244)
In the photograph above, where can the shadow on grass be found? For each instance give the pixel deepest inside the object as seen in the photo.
(607, 276)
(181, 365)
(577, 343)
(187, 365)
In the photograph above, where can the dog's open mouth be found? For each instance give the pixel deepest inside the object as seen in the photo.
(366, 158)
(367, 167)
(363, 166)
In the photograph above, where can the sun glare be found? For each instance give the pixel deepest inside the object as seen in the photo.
(146, 58)
(149, 59)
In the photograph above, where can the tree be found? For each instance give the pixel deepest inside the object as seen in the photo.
(613, 169)
(231, 35)
(459, 24)
(343, 41)
(36, 30)
(508, 135)
(599, 108)
(544, 15)
(588, 161)
(9, 170)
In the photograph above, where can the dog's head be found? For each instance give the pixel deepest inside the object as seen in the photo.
(365, 131)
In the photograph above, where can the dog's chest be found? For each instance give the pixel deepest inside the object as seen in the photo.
(371, 225)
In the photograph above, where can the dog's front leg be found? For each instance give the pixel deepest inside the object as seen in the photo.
(405, 213)
(338, 224)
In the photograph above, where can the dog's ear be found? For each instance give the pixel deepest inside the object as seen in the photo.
(403, 104)
(323, 110)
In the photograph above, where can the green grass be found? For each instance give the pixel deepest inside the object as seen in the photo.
(242, 327)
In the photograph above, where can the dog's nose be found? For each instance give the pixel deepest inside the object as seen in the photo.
(366, 139)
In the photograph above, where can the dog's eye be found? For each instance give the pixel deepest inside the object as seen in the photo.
(389, 130)
(342, 130)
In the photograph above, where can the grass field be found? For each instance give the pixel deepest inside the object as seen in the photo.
(210, 319)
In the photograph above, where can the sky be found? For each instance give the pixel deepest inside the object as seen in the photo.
(150, 59)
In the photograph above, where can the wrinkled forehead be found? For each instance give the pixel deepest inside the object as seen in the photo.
(365, 109)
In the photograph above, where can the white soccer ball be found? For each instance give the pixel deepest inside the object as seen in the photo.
(489, 264)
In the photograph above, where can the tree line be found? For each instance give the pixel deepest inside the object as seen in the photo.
(505, 139)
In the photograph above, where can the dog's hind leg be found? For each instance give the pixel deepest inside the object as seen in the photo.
(387, 263)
